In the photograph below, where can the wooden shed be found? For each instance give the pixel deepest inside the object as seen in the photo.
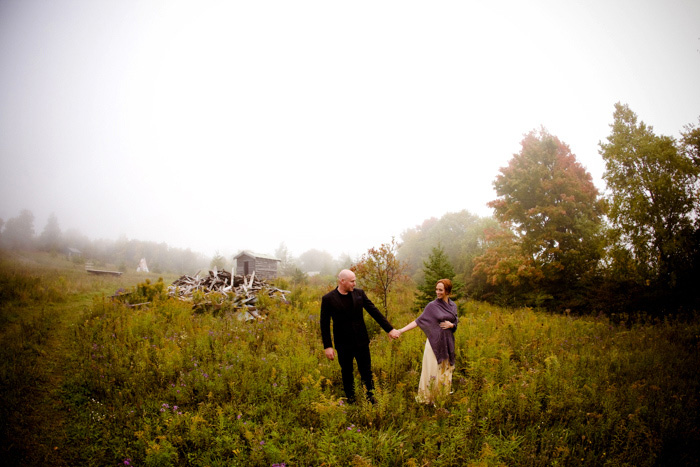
(265, 266)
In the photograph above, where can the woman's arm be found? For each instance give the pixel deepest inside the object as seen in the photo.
(408, 327)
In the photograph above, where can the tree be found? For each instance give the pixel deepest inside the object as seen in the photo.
(50, 238)
(653, 198)
(218, 261)
(690, 143)
(460, 234)
(19, 231)
(378, 270)
(503, 273)
(317, 261)
(344, 261)
(287, 266)
(437, 267)
(549, 202)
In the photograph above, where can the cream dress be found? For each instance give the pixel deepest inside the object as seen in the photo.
(435, 379)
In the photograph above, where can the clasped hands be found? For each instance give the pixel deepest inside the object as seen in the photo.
(395, 333)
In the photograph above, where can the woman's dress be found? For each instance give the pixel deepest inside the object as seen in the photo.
(439, 353)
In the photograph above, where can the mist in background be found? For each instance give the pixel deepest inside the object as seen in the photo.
(222, 126)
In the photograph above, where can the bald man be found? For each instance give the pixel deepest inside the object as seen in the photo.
(344, 307)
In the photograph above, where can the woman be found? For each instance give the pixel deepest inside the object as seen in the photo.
(439, 323)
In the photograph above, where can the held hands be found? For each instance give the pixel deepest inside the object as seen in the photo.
(394, 334)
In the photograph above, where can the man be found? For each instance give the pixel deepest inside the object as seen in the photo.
(344, 307)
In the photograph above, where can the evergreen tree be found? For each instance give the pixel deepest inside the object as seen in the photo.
(50, 238)
(218, 262)
(437, 267)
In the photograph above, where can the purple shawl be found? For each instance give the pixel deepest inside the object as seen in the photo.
(441, 340)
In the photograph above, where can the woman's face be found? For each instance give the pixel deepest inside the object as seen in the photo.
(440, 291)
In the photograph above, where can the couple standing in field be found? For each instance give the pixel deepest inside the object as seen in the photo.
(343, 306)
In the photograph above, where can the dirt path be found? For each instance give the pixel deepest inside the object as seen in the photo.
(36, 434)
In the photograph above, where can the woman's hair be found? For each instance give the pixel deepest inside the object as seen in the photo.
(447, 284)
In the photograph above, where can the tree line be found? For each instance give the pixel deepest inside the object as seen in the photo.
(556, 242)
(17, 233)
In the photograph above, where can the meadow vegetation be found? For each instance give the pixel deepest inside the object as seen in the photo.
(86, 380)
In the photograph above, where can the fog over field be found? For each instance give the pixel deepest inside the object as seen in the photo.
(221, 126)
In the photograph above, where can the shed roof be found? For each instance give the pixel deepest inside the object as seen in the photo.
(255, 255)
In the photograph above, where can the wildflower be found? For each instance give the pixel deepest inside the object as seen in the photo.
(127, 461)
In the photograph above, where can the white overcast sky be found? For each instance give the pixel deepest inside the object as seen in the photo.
(221, 126)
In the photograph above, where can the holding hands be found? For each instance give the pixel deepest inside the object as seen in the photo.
(395, 334)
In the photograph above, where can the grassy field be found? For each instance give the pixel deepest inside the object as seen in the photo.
(89, 381)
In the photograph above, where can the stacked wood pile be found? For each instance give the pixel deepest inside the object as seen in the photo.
(221, 289)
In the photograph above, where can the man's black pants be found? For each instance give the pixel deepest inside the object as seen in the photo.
(364, 365)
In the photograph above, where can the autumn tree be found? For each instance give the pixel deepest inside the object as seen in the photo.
(437, 267)
(503, 273)
(379, 270)
(653, 198)
(548, 201)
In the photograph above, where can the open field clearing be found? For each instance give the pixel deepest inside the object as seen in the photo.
(86, 380)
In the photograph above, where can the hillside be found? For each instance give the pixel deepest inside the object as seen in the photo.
(90, 381)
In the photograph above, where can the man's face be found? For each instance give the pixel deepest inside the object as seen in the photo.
(347, 283)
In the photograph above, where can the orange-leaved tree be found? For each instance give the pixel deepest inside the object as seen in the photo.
(550, 206)
(378, 270)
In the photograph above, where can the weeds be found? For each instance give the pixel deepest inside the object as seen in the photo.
(162, 385)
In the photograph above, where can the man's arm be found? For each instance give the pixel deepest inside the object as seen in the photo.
(326, 325)
(377, 315)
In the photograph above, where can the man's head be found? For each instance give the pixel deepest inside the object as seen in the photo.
(346, 281)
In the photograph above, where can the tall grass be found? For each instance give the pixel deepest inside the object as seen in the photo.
(161, 385)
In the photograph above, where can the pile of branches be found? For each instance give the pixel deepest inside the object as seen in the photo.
(221, 290)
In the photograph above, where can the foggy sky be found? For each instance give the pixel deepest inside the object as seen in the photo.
(222, 126)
